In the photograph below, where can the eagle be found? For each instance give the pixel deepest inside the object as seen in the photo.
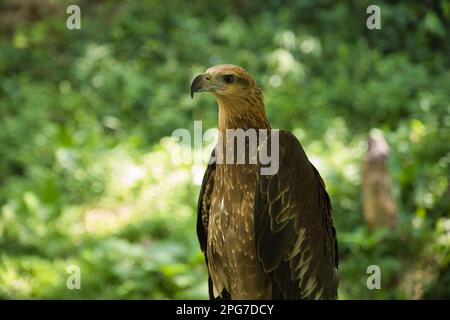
(264, 236)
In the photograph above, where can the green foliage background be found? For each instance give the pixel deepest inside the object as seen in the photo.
(88, 175)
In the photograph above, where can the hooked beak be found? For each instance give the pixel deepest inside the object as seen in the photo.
(201, 83)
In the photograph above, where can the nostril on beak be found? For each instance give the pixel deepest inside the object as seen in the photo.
(207, 78)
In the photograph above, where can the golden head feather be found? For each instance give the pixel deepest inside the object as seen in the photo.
(240, 99)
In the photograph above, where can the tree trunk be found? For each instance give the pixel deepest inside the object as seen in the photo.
(378, 204)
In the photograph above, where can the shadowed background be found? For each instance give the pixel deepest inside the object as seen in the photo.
(88, 175)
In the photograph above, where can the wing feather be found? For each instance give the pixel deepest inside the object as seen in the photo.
(294, 232)
(203, 211)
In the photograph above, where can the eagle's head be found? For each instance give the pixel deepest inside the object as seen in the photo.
(239, 97)
(224, 80)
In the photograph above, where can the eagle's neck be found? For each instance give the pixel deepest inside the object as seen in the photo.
(242, 112)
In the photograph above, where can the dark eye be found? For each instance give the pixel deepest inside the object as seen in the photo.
(228, 78)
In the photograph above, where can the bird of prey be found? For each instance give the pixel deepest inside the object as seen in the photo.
(263, 236)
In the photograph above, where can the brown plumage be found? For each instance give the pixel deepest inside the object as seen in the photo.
(263, 236)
